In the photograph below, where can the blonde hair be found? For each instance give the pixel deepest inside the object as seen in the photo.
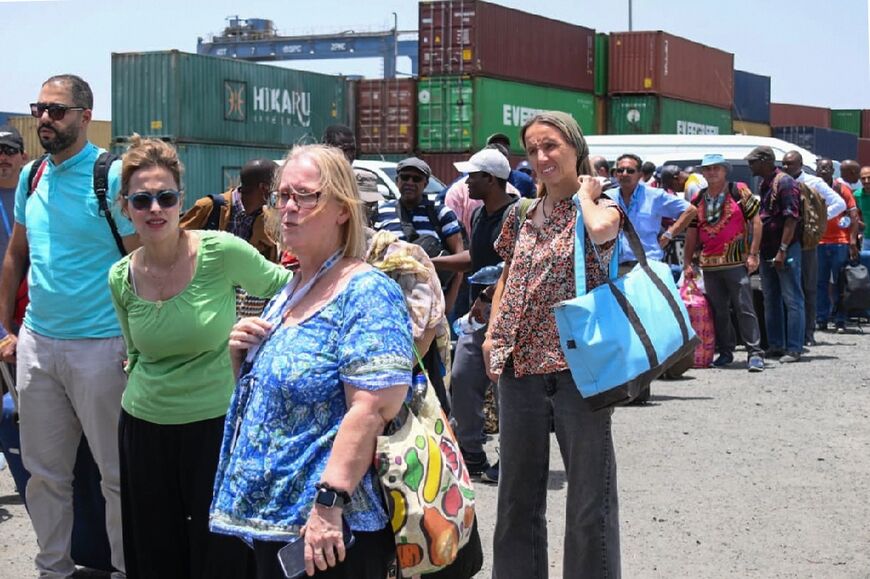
(337, 182)
(146, 153)
(571, 132)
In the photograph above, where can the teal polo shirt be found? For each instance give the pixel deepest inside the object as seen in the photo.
(71, 248)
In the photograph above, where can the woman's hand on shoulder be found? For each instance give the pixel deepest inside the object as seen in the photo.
(248, 333)
(590, 187)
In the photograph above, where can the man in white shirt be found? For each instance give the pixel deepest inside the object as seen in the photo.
(792, 163)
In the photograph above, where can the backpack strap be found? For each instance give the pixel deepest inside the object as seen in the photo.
(405, 219)
(214, 217)
(101, 189)
(523, 206)
(475, 217)
(36, 170)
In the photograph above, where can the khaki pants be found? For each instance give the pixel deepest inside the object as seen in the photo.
(67, 387)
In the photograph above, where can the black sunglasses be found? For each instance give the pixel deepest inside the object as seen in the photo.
(55, 111)
(626, 170)
(9, 150)
(144, 200)
(411, 177)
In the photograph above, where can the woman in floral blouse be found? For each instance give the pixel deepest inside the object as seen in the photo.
(535, 385)
(326, 369)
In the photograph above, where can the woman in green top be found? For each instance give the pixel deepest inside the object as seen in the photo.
(175, 300)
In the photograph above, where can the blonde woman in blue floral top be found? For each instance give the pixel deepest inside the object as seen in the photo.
(326, 369)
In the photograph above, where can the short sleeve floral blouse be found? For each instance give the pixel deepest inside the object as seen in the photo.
(287, 409)
(541, 275)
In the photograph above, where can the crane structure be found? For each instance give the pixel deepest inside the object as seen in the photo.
(256, 39)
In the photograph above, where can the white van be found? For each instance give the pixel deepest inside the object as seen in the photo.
(687, 150)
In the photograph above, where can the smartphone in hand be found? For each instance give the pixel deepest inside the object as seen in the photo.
(292, 555)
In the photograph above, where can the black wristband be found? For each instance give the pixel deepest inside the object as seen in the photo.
(326, 488)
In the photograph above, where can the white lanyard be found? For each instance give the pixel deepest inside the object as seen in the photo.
(289, 297)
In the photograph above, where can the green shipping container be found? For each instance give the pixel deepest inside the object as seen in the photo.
(647, 115)
(602, 44)
(212, 169)
(457, 113)
(193, 98)
(848, 120)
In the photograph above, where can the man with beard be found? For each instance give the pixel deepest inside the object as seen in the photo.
(70, 352)
(413, 217)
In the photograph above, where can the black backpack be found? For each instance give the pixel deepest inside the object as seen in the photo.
(101, 188)
(433, 246)
(855, 281)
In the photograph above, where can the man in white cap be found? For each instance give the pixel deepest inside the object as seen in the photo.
(727, 214)
(488, 171)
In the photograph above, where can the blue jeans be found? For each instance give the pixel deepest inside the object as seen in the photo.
(591, 548)
(832, 259)
(783, 297)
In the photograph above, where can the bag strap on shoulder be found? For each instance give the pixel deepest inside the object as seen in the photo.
(101, 188)
(36, 170)
(580, 250)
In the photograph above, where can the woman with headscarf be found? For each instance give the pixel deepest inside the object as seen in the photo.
(535, 384)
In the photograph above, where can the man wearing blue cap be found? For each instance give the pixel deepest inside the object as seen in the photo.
(727, 213)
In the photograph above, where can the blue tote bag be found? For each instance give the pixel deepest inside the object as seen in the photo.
(620, 336)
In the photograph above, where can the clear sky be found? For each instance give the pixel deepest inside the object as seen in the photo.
(816, 52)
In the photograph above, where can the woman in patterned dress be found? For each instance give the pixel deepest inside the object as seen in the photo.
(327, 367)
(535, 386)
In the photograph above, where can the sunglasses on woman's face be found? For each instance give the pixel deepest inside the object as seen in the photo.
(144, 200)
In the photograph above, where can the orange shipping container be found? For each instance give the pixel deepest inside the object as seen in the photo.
(667, 65)
(386, 115)
(784, 115)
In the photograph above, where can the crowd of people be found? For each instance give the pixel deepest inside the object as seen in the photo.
(232, 366)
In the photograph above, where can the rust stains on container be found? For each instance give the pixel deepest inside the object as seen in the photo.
(667, 65)
(785, 115)
(470, 37)
(386, 115)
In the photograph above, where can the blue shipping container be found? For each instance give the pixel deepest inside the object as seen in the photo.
(836, 145)
(751, 97)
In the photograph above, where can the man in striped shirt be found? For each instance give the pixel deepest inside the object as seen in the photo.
(416, 219)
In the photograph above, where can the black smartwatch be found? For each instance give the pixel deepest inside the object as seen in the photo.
(330, 497)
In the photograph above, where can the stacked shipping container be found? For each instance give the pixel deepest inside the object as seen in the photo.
(751, 110)
(475, 81)
(386, 116)
(837, 145)
(785, 115)
(679, 86)
(219, 112)
(848, 120)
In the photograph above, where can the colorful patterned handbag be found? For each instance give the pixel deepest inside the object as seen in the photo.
(429, 496)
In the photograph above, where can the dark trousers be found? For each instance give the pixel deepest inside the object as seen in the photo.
(167, 480)
(591, 544)
(730, 287)
(809, 283)
(370, 557)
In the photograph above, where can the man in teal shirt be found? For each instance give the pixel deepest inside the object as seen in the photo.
(862, 197)
(69, 350)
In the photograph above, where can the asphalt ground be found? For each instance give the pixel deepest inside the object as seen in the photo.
(722, 474)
